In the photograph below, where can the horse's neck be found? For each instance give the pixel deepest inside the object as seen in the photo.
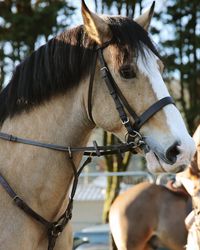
(60, 120)
(42, 176)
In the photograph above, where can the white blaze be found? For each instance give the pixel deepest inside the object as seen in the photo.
(149, 67)
(177, 131)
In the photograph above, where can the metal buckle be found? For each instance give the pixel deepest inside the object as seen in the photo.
(126, 121)
(56, 230)
(138, 139)
(70, 152)
(104, 68)
(15, 197)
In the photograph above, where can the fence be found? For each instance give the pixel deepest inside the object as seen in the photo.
(90, 194)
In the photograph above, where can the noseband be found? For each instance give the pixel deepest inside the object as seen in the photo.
(133, 140)
(133, 135)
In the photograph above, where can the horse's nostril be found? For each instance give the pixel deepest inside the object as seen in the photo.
(172, 153)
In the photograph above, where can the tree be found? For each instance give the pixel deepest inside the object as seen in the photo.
(125, 7)
(182, 44)
(23, 23)
(114, 163)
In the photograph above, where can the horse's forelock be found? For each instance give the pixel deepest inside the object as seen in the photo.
(127, 33)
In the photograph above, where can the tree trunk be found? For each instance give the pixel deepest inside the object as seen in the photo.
(114, 163)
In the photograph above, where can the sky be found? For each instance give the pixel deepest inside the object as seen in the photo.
(90, 3)
(77, 19)
(159, 5)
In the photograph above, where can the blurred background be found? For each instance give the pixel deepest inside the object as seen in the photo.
(25, 25)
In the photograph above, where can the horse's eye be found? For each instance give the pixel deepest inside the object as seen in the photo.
(127, 72)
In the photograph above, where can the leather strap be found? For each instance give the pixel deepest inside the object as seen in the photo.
(121, 102)
(20, 203)
(87, 151)
(53, 228)
(106, 75)
(152, 110)
(90, 88)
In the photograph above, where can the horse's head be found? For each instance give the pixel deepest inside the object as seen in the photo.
(136, 69)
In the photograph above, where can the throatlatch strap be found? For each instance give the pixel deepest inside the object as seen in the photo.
(90, 88)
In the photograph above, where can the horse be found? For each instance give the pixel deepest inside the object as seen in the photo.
(56, 97)
(149, 216)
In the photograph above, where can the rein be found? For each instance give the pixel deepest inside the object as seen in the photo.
(133, 140)
(87, 151)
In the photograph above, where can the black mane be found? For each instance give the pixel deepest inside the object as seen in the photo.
(61, 64)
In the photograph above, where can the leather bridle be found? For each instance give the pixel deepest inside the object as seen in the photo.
(133, 140)
(133, 135)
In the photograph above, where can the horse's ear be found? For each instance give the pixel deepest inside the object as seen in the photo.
(95, 26)
(145, 19)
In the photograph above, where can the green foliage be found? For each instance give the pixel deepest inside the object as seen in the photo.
(125, 6)
(182, 45)
(23, 22)
(114, 163)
